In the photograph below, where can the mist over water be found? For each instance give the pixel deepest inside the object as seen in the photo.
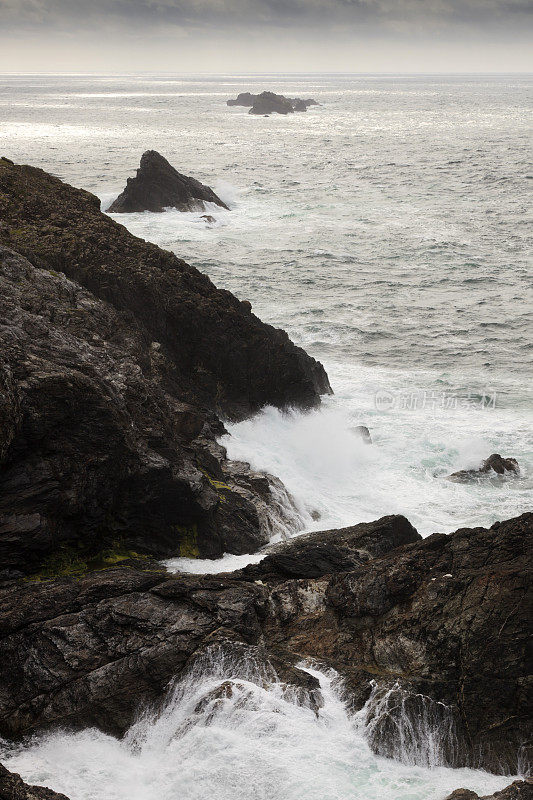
(385, 231)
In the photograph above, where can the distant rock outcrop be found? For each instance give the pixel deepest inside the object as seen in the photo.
(270, 103)
(494, 463)
(158, 186)
(243, 99)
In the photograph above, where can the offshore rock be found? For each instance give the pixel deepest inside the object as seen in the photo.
(243, 99)
(362, 432)
(268, 103)
(12, 787)
(494, 463)
(158, 186)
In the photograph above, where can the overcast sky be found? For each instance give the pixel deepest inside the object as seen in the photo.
(266, 35)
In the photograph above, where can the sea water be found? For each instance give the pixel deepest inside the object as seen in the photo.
(386, 230)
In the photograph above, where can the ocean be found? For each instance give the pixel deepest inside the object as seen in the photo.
(387, 231)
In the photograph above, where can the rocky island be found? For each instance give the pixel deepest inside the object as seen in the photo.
(270, 103)
(157, 186)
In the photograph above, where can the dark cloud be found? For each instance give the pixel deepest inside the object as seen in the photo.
(367, 14)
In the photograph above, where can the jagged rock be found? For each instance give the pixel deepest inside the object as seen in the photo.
(494, 463)
(158, 186)
(326, 552)
(102, 643)
(499, 465)
(216, 354)
(442, 617)
(110, 379)
(519, 790)
(267, 103)
(435, 621)
(208, 218)
(98, 449)
(12, 787)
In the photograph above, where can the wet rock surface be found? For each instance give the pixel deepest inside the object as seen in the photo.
(323, 553)
(494, 463)
(115, 359)
(427, 622)
(88, 651)
(442, 617)
(157, 186)
(12, 787)
(519, 790)
(99, 452)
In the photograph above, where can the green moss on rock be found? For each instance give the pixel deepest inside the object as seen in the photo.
(188, 546)
(70, 562)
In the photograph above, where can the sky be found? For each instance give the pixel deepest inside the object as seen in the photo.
(228, 36)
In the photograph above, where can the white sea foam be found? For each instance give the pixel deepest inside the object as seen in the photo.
(252, 741)
(209, 566)
(329, 469)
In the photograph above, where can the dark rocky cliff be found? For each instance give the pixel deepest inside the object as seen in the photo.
(115, 358)
(217, 353)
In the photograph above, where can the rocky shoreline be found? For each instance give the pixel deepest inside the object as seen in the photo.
(431, 624)
(118, 364)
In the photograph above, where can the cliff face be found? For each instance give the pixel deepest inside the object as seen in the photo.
(110, 380)
(218, 354)
(115, 359)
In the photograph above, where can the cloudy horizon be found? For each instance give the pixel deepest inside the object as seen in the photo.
(265, 35)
